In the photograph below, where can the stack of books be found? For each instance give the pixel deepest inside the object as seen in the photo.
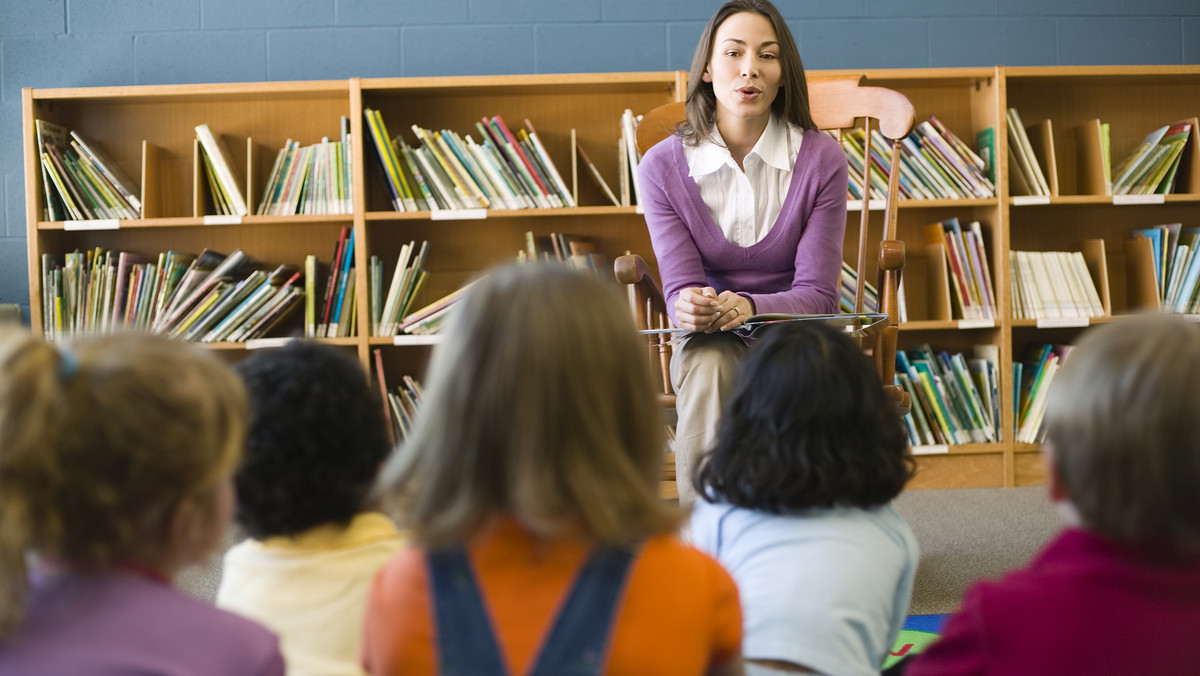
(446, 171)
(849, 282)
(934, 164)
(223, 185)
(961, 253)
(314, 179)
(335, 315)
(1152, 166)
(1026, 173)
(208, 297)
(400, 402)
(1053, 285)
(1175, 264)
(955, 399)
(431, 319)
(1034, 374)
(407, 278)
(79, 180)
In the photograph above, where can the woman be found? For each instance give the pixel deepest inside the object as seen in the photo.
(746, 208)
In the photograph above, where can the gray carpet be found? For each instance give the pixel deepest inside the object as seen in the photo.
(964, 535)
(972, 533)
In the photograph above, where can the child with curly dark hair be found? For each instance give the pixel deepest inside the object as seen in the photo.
(317, 439)
(794, 501)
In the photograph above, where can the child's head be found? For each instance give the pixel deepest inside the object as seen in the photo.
(316, 441)
(1121, 429)
(113, 450)
(791, 102)
(808, 425)
(539, 405)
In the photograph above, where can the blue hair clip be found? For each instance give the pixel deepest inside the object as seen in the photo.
(69, 365)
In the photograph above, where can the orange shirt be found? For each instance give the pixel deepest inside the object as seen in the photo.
(680, 614)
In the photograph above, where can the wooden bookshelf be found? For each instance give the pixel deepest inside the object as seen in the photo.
(148, 130)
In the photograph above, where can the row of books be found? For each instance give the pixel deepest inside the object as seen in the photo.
(312, 179)
(400, 403)
(208, 297)
(1053, 285)
(1153, 165)
(934, 164)
(960, 253)
(446, 171)
(336, 314)
(389, 312)
(573, 250)
(1158, 164)
(955, 398)
(847, 288)
(1176, 266)
(79, 180)
(1033, 375)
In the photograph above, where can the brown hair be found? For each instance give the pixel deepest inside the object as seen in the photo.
(1121, 425)
(790, 104)
(100, 442)
(539, 406)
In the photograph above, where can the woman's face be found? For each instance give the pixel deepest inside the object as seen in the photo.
(745, 68)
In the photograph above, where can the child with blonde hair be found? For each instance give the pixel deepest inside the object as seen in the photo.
(529, 486)
(116, 459)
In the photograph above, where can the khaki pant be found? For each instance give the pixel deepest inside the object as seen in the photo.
(702, 372)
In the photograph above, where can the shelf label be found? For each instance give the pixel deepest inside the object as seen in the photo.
(939, 449)
(857, 205)
(1139, 199)
(406, 339)
(94, 224)
(229, 219)
(977, 323)
(1061, 322)
(261, 343)
(458, 214)
(1026, 200)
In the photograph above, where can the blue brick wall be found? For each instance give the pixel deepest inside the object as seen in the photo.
(75, 43)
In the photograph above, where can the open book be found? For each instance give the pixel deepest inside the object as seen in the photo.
(864, 324)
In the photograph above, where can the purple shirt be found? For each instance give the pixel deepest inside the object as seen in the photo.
(794, 269)
(1083, 606)
(122, 624)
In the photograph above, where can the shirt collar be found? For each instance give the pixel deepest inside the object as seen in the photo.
(775, 148)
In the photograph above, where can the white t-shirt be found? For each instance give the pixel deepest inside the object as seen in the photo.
(311, 590)
(825, 588)
(745, 204)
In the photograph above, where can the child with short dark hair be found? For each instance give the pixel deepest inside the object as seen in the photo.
(794, 499)
(1123, 460)
(317, 439)
(116, 463)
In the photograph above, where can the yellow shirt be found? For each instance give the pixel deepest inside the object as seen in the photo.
(311, 590)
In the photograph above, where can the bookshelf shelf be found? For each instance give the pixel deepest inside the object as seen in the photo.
(149, 133)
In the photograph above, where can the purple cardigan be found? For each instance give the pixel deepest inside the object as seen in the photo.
(794, 269)
(1083, 606)
(121, 623)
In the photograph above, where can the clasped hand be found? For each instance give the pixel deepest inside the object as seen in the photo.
(703, 309)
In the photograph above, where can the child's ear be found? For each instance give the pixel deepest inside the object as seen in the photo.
(1054, 482)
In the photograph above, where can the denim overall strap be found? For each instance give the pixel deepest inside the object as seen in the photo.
(466, 643)
(578, 642)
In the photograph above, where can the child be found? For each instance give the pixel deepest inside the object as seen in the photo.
(746, 208)
(116, 463)
(794, 501)
(529, 478)
(1118, 591)
(317, 438)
